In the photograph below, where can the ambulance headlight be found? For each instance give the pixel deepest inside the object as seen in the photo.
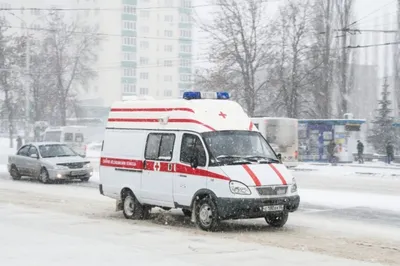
(239, 188)
(294, 186)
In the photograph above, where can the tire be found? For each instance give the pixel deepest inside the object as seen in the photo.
(44, 176)
(15, 173)
(132, 209)
(206, 212)
(187, 213)
(277, 220)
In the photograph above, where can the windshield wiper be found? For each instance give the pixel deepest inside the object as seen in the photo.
(229, 157)
(262, 159)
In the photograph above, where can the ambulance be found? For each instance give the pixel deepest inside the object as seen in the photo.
(201, 154)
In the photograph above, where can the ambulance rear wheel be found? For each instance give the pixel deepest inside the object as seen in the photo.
(277, 220)
(131, 207)
(206, 213)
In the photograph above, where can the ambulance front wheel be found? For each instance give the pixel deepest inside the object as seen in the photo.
(277, 219)
(131, 207)
(207, 214)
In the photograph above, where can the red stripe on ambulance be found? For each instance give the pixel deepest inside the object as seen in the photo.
(156, 120)
(252, 175)
(160, 167)
(251, 126)
(121, 163)
(278, 174)
(152, 109)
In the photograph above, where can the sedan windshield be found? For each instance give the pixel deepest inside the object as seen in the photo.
(56, 150)
(236, 146)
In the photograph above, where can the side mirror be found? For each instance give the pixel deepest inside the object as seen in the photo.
(82, 155)
(194, 162)
(34, 156)
(279, 156)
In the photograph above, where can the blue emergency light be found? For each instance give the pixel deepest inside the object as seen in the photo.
(196, 95)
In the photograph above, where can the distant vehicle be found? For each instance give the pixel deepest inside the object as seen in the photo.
(73, 136)
(47, 162)
(93, 150)
(282, 134)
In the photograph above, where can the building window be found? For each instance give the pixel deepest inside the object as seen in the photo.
(186, 34)
(168, 78)
(168, 3)
(129, 9)
(185, 63)
(186, 3)
(168, 63)
(168, 93)
(144, 91)
(168, 48)
(129, 88)
(129, 72)
(144, 29)
(145, 14)
(186, 48)
(168, 18)
(144, 45)
(144, 75)
(129, 25)
(185, 18)
(144, 60)
(130, 41)
(185, 78)
(129, 56)
(168, 33)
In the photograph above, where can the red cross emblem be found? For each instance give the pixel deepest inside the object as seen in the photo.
(221, 114)
(157, 166)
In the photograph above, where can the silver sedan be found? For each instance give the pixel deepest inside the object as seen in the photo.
(48, 161)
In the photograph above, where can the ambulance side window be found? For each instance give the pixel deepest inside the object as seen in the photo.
(160, 146)
(191, 144)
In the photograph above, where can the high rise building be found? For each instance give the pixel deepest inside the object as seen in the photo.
(146, 46)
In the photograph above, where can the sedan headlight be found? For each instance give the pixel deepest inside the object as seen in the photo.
(239, 188)
(61, 167)
(294, 186)
(88, 165)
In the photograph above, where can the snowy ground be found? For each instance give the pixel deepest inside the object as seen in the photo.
(347, 212)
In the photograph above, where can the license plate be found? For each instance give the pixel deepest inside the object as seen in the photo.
(273, 208)
(78, 173)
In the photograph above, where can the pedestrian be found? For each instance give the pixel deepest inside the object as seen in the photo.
(389, 152)
(360, 150)
(19, 142)
(331, 151)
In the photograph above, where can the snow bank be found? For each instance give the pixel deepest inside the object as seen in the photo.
(350, 199)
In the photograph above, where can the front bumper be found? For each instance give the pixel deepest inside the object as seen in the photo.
(231, 208)
(70, 174)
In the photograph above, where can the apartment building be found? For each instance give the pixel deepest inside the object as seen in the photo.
(146, 47)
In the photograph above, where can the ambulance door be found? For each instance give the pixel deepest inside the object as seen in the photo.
(189, 180)
(158, 170)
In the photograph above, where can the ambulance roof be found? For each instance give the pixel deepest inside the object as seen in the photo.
(199, 115)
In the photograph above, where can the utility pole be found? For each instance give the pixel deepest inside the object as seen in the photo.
(27, 83)
(397, 64)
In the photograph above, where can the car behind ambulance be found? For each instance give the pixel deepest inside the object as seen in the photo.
(201, 154)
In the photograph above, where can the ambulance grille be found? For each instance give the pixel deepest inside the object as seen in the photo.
(272, 190)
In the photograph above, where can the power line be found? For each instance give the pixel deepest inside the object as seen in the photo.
(376, 10)
(102, 9)
(372, 45)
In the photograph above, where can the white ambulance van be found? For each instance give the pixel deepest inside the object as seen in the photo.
(201, 154)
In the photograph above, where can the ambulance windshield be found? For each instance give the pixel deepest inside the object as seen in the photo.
(238, 146)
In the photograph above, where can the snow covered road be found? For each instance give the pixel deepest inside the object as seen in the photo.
(25, 206)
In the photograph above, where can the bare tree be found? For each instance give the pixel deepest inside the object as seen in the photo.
(323, 53)
(10, 78)
(344, 10)
(294, 69)
(239, 48)
(71, 49)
